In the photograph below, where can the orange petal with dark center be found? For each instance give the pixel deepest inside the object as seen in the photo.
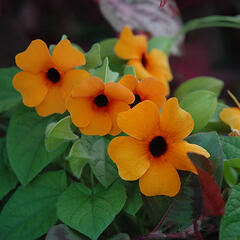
(129, 81)
(131, 157)
(160, 179)
(32, 87)
(66, 57)
(36, 58)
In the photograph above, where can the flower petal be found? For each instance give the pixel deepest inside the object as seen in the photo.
(81, 111)
(130, 46)
(174, 121)
(140, 121)
(114, 109)
(100, 124)
(32, 87)
(118, 92)
(158, 65)
(231, 116)
(36, 58)
(160, 179)
(152, 89)
(73, 78)
(177, 155)
(54, 102)
(131, 157)
(66, 57)
(129, 81)
(89, 87)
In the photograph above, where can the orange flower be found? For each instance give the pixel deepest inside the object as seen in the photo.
(134, 49)
(94, 106)
(46, 81)
(148, 89)
(231, 116)
(155, 147)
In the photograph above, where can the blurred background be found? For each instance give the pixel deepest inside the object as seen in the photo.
(205, 52)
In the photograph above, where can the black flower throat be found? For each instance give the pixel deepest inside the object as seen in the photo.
(101, 100)
(158, 146)
(53, 75)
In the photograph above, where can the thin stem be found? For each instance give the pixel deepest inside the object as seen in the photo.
(233, 98)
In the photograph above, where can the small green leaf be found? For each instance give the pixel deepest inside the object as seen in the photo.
(129, 70)
(230, 223)
(9, 97)
(211, 142)
(199, 83)
(61, 232)
(235, 162)
(59, 133)
(78, 158)
(31, 210)
(93, 57)
(162, 43)
(104, 72)
(201, 105)
(7, 177)
(26, 144)
(103, 167)
(134, 198)
(90, 211)
(230, 176)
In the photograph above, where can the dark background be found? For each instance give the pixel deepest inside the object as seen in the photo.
(212, 52)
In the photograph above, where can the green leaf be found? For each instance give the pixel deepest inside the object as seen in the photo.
(59, 133)
(61, 232)
(134, 198)
(162, 43)
(107, 50)
(90, 211)
(78, 158)
(104, 72)
(129, 70)
(231, 146)
(230, 223)
(230, 176)
(235, 162)
(201, 105)
(31, 210)
(7, 177)
(215, 123)
(26, 144)
(93, 57)
(199, 83)
(120, 236)
(211, 142)
(9, 97)
(103, 167)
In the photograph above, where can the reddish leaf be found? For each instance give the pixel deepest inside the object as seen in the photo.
(162, 3)
(213, 203)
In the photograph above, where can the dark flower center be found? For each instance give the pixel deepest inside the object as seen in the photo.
(136, 101)
(101, 100)
(144, 60)
(158, 146)
(53, 75)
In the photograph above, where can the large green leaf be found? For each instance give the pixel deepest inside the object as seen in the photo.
(103, 167)
(7, 177)
(201, 105)
(230, 224)
(61, 232)
(231, 146)
(31, 210)
(90, 211)
(9, 97)
(162, 43)
(59, 133)
(199, 83)
(26, 144)
(104, 72)
(211, 142)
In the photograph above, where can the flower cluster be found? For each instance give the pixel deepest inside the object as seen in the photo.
(155, 148)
